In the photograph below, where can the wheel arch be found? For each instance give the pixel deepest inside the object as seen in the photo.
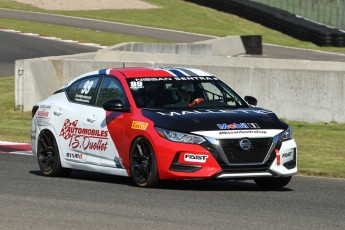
(152, 143)
(52, 131)
(145, 168)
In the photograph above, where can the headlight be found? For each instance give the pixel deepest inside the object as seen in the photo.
(286, 135)
(179, 137)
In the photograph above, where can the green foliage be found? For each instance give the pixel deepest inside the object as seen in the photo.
(330, 12)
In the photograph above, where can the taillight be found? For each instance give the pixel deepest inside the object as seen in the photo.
(34, 110)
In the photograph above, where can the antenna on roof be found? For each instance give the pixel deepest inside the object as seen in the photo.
(123, 64)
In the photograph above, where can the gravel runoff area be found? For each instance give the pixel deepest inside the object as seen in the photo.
(88, 4)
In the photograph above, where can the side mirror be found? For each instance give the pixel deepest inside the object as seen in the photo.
(115, 106)
(251, 100)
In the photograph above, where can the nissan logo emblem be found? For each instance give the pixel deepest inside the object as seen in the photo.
(245, 144)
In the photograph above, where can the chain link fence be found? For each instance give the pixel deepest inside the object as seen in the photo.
(327, 12)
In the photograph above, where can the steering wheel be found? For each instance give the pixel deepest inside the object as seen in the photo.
(196, 101)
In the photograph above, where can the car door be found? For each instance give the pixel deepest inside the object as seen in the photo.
(71, 117)
(104, 144)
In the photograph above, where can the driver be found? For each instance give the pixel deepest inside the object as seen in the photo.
(185, 91)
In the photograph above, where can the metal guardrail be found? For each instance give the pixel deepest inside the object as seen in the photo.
(327, 12)
(280, 20)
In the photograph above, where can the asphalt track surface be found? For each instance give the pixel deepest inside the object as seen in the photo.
(16, 46)
(29, 200)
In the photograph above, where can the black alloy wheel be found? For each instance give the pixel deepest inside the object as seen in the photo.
(143, 164)
(48, 155)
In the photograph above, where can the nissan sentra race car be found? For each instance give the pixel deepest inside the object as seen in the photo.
(156, 124)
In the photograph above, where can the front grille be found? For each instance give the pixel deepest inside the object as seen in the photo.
(255, 155)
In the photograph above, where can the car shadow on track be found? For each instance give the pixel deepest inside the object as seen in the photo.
(183, 185)
(91, 176)
(224, 185)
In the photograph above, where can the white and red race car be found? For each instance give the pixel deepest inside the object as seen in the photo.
(158, 124)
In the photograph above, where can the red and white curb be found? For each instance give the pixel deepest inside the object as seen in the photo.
(52, 38)
(15, 148)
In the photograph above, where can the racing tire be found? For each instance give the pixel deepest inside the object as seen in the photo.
(48, 156)
(143, 164)
(272, 183)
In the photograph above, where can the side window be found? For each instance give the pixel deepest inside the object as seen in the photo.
(83, 91)
(212, 92)
(110, 89)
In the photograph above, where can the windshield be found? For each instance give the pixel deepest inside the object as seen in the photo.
(165, 93)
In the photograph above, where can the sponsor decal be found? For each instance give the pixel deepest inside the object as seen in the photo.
(74, 155)
(45, 107)
(240, 133)
(285, 155)
(136, 85)
(83, 138)
(176, 78)
(153, 79)
(42, 113)
(139, 125)
(214, 111)
(243, 132)
(195, 158)
(195, 78)
(238, 126)
(42, 121)
(82, 98)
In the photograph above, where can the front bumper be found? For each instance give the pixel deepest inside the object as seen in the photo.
(186, 161)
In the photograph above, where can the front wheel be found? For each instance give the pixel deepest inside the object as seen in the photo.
(272, 182)
(143, 164)
(48, 156)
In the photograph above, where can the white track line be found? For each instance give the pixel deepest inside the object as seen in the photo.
(52, 38)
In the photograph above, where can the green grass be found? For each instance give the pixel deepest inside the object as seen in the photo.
(81, 35)
(184, 16)
(320, 149)
(14, 125)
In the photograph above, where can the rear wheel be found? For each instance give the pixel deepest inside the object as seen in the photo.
(48, 156)
(272, 182)
(143, 164)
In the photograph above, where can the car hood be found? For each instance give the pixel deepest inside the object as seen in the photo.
(214, 119)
